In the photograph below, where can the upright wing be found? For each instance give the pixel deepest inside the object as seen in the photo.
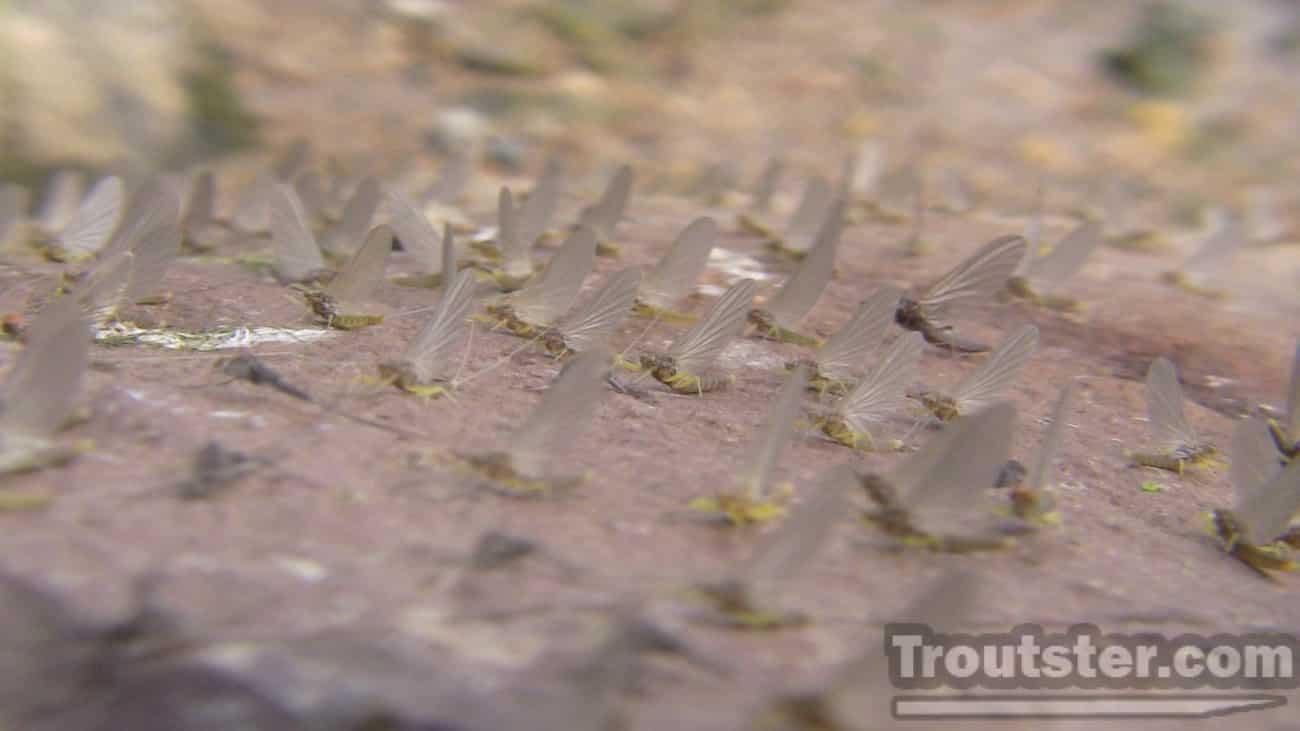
(765, 451)
(979, 277)
(808, 215)
(1268, 496)
(788, 549)
(356, 218)
(882, 390)
(1036, 478)
(297, 255)
(42, 390)
(674, 276)
(1068, 256)
(357, 280)
(543, 301)
(805, 286)
(417, 234)
(95, 220)
(563, 412)
(845, 352)
(592, 324)
(539, 208)
(1165, 406)
(439, 335)
(699, 346)
(987, 383)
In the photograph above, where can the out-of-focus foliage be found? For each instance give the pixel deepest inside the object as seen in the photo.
(1168, 54)
(221, 123)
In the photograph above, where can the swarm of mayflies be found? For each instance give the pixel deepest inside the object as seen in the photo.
(835, 366)
(804, 223)
(421, 368)
(1255, 530)
(1212, 258)
(685, 366)
(1286, 436)
(520, 470)
(740, 600)
(926, 501)
(534, 308)
(987, 382)
(878, 395)
(1179, 446)
(978, 277)
(1038, 275)
(344, 302)
(674, 276)
(780, 315)
(297, 255)
(1028, 497)
(755, 501)
(604, 216)
(591, 324)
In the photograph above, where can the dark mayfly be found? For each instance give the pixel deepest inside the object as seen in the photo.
(1029, 501)
(565, 409)
(92, 223)
(41, 391)
(987, 382)
(780, 315)
(534, 308)
(1066, 258)
(1287, 436)
(674, 276)
(880, 393)
(835, 366)
(741, 600)
(246, 366)
(978, 277)
(926, 501)
(345, 303)
(1268, 496)
(591, 324)
(297, 255)
(603, 217)
(1179, 445)
(1212, 259)
(434, 263)
(755, 501)
(803, 225)
(683, 368)
(420, 369)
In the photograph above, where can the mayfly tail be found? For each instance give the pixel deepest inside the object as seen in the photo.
(503, 359)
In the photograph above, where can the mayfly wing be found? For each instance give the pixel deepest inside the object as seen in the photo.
(448, 264)
(297, 255)
(699, 346)
(606, 214)
(1036, 477)
(563, 412)
(1068, 256)
(882, 390)
(1293, 397)
(432, 344)
(311, 193)
(95, 220)
(106, 286)
(970, 452)
(787, 550)
(808, 215)
(536, 212)
(869, 165)
(987, 383)
(593, 323)
(41, 391)
(674, 276)
(62, 196)
(765, 451)
(1218, 248)
(514, 250)
(978, 277)
(801, 292)
(557, 287)
(418, 236)
(1267, 494)
(253, 207)
(355, 220)
(153, 233)
(766, 185)
(845, 352)
(357, 280)
(1165, 405)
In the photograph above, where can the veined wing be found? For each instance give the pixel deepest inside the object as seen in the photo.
(1165, 406)
(674, 277)
(439, 335)
(297, 255)
(536, 212)
(357, 280)
(1267, 495)
(1068, 256)
(95, 220)
(1036, 477)
(62, 196)
(801, 292)
(808, 215)
(416, 233)
(978, 277)
(845, 352)
(41, 391)
(994, 375)
(882, 390)
(699, 346)
(593, 323)
(152, 231)
(563, 413)
(543, 301)
(606, 214)
(766, 449)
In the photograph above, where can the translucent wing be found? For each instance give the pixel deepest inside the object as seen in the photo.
(805, 286)
(845, 352)
(868, 165)
(253, 209)
(699, 346)
(1267, 495)
(555, 290)
(986, 383)
(592, 324)
(674, 277)
(539, 208)
(807, 217)
(439, 335)
(765, 188)
(606, 214)
(514, 250)
(1068, 256)
(41, 391)
(297, 255)
(563, 412)
(1215, 252)
(356, 218)
(1036, 477)
(1165, 406)
(106, 285)
(95, 220)
(153, 233)
(791, 547)
(356, 281)
(62, 196)
(969, 453)
(979, 277)
(1293, 396)
(882, 390)
(311, 193)
(765, 451)
(417, 234)
(202, 206)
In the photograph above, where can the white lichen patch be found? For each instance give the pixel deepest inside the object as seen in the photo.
(217, 339)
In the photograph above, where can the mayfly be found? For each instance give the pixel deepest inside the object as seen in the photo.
(355, 221)
(755, 501)
(201, 226)
(834, 367)
(1180, 447)
(1287, 437)
(1029, 501)
(684, 368)
(804, 222)
(63, 194)
(248, 367)
(538, 209)
(978, 277)
(419, 238)
(516, 262)
(987, 382)
(929, 495)
(297, 255)
(41, 391)
(311, 193)
(535, 307)
(603, 217)
(91, 224)
(565, 409)
(674, 276)
(780, 315)
(1066, 258)
(741, 600)
(591, 324)
(1212, 258)
(344, 303)
(419, 371)
(880, 393)
(1268, 496)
